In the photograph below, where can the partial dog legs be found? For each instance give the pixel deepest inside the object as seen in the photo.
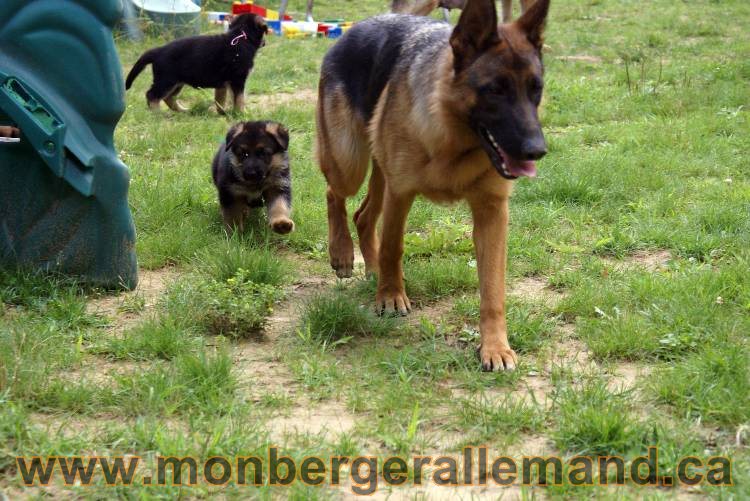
(507, 10)
(220, 99)
(391, 297)
(238, 91)
(366, 219)
(278, 207)
(172, 101)
(340, 245)
(234, 216)
(490, 216)
(160, 89)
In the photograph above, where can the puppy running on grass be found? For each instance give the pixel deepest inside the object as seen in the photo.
(220, 62)
(251, 169)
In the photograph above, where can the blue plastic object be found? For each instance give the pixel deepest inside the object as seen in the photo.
(63, 191)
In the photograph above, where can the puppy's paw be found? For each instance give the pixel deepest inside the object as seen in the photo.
(282, 226)
(217, 108)
(497, 358)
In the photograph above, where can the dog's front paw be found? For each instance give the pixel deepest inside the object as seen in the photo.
(342, 258)
(282, 225)
(497, 358)
(392, 301)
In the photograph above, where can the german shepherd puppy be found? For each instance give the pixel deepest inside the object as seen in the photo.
(220, 62)
(251, 169)
(447, 114)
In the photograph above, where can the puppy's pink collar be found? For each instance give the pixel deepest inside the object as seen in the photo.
(237, 39)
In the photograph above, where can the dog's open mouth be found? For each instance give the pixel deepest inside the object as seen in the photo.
(508, 167)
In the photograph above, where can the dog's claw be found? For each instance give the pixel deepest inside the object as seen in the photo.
(497, 359)
(393, 303)
(343, 269)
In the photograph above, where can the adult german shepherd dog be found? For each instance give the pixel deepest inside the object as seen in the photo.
(449, 115)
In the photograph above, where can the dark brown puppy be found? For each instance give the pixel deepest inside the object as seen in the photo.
(449, 114)
(251, 169)
(220, 62)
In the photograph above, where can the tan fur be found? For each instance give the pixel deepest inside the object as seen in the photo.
(278, 216)
(239, 102)
(421, 144)
(234, 217)
(174, 104)
(220, 99)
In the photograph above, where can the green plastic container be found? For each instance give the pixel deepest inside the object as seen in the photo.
(63, 191)
(178, 18)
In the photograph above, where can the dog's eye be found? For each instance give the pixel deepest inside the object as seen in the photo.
(499, 87)
(245, 154)
(535, 85)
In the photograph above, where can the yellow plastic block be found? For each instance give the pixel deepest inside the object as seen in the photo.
(272, 15)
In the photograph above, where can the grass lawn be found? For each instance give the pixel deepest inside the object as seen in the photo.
(629, 284)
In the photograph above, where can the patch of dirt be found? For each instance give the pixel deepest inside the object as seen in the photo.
(582, 57)
(102, 372)
(535, 289)
(432, 311)
(261, 372)
(151, 286)
(327, 420)
(257, 363)
(73, 425)
(652, 261)
(532, 445)
(282, 98)
(625, 376)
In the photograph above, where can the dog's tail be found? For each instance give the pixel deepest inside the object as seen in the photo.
(143, 61)
(417, 8)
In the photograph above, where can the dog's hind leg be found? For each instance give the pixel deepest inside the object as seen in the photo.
(172, 101)
(343, 155)
(160, 89)
(507, 10)
(220, 99)
(366, 219)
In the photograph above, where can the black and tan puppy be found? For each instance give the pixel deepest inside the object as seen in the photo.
(251, 169)
(220, 62)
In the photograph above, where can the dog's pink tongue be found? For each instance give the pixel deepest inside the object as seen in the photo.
(520, 168)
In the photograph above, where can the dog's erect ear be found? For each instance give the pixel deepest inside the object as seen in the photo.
(279, 133)
(234, 21)
(232, 134)
(532, 22)
(475, 32)
(260, 23)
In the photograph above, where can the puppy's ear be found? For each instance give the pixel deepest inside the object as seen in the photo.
(475, 32)
(234, 21)
(261, 25)
(532, 22)
(279, 133)
(232, 134)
